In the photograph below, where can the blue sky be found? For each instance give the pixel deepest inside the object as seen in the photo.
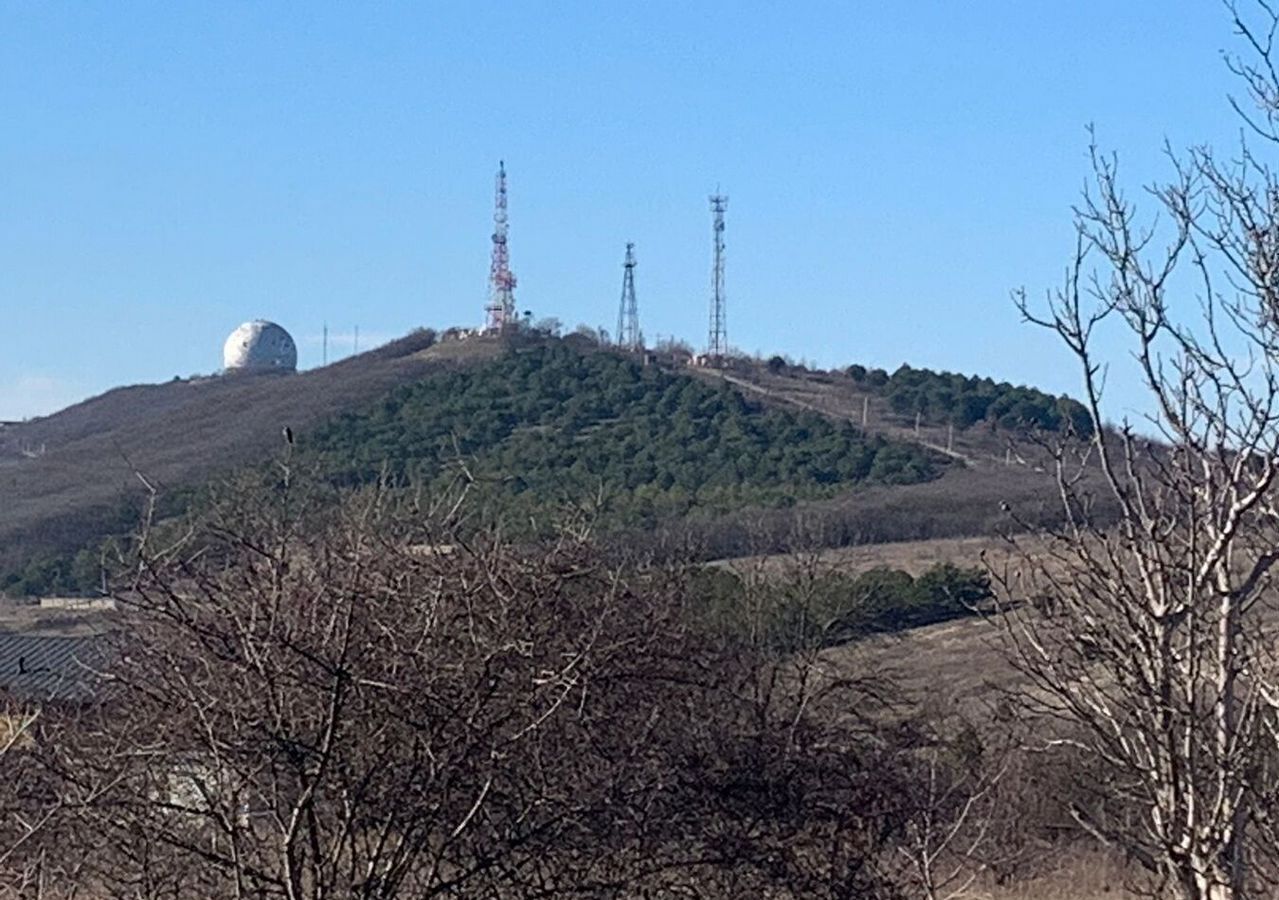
(894, 168)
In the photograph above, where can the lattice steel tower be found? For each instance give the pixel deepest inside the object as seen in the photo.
(501, 305)
(717, 337)
(628, 333)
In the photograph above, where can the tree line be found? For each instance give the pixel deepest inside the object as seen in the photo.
(948, 398)
(791, 611)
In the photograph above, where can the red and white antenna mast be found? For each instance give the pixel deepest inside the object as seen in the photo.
(501, 305)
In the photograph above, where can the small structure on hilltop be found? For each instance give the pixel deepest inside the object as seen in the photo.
(259, 346)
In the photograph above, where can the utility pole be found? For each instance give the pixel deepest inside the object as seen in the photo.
(717, 334)
(628, 333)
(326, 344)
(500, 310)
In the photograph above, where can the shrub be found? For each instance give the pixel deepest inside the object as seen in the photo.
(792, 614)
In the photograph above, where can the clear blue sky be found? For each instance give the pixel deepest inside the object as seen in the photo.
(895, 169)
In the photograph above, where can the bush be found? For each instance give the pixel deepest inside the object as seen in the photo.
(520, 720)
(963, 401)
(791, 614)
(55, 575)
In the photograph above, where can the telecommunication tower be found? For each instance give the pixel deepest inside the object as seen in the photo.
(501, 305)
(628, 333)
(717, 336)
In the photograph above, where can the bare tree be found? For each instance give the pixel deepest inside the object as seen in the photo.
(35, 809)
(384, 699)
(20, 823)
(948, 840)
(1157, 659)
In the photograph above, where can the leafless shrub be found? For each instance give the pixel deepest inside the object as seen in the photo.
(388, 700)
(948, 839)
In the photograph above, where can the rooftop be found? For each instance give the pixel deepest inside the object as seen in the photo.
(42, 668)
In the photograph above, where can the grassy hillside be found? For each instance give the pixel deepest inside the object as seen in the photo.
(551, 425)
(730, 458)
(175, 434)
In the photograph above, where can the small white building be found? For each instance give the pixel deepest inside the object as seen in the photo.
(78, 604)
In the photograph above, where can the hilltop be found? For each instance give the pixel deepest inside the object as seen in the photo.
(552, 424)
(730, 457)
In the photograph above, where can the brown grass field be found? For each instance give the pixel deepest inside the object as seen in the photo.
(910, 556)
(959, 666)
(1073, 876)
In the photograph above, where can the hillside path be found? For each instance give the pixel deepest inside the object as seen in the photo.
(802, 404)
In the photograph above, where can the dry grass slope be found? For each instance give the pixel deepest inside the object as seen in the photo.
(180, 433)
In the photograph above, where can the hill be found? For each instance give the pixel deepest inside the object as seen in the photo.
(550, 424)
(68, 477)
(728, 461)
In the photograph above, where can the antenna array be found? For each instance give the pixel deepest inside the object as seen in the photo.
(717, 335)
(501, 305)
(628, 333)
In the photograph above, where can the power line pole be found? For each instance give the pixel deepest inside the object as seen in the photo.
(717, 336)
(326, 343)
(628, 333)
(501, 304)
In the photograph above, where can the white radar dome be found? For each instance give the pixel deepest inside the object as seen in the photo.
(260, 346)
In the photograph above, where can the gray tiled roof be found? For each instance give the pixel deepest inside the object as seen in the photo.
(38, 667)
